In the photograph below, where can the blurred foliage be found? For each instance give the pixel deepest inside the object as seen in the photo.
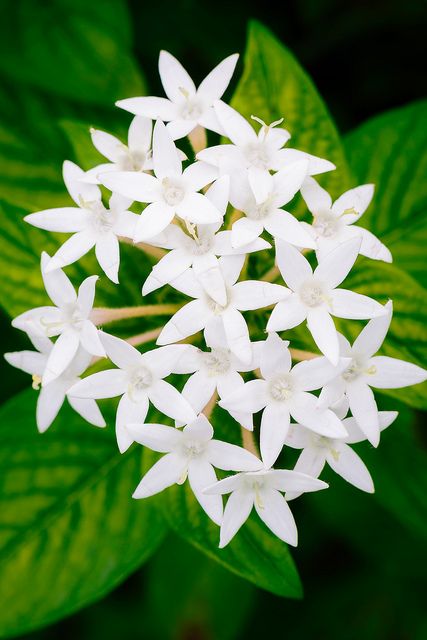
(361, 559)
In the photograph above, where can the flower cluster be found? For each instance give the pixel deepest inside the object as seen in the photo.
(204, 219)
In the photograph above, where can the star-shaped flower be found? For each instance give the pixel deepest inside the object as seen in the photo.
(315, 297)
(52, 396)
(320, 450)
(135, 156)
(333, 223)
(139, 380)
(243, 296)
(185, 107)
(260, 197)
(91, 223)
(171, 191)
(191, 453)
(263, 490)
(69, 320)
(199, 250)
(215, 370)
(366, 370)
(282, 393)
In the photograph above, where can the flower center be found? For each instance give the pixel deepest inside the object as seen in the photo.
(102, 219)
(173, 193)
(259, 211)
(312, 294)
(194, 448)
(326, 224)
(357, 367)
(202, 244)
(192, 109)
(217, 361)
(134, 160)
(140, 380)
(73, 316)
(215, 307)
(281, 388)
(257, 155)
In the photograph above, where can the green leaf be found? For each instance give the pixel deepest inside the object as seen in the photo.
(79, 50)
(273, 86)
(391, 151)
(407, 337)
(70, 530)
(254, 553)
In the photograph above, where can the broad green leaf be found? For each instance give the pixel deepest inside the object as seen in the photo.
(70, 530)
(407, 337)
(254, 553)
(78, 50)
(391, 151)
(275, 86)
(200, 595)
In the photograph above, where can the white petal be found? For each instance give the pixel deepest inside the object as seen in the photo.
(287, 314)
(174, 77)
(316, 198)
(188, 320)
(281, 224)
(153, 220)
(170, 402)
(198, 209)
(198, 175)
(295, 269)
(188, 361)
(237, 333)
(198, 390)
(218, 193)
(322, 328)
(354, 306)
(104, 384)
(72, 250)
(315, 373)
(244, 231)
(285, 480)
(180, 128)
(165, 155)
(334, 268)
(162, 360)
(251, 397)
(151, 107)
(64, 350)
(372, 247)
(216, 82)
(253, 294)
(311, 462)
(188, 284)
(90, 341)
(235, 126)
(200, 475)
(230, 457)
(207, 270)
(139, 187)
(275, 356)
(157, 437)
(372, 335)
(286, 157)
(119, 203)
(332, 393)
(298, 437)
(236, 512)
(77, 188)
(107, 253)
(49, 402)
(57, 285)
(229, 484)
(198, 429)
(40, 322)
(355, 434)
(261, 183)
(391, 373)
(88, 409)
(109, 146)
(274, 428)
(129, 412)
(357, 199)
(288, 181)
(364, 409)
(305, 410)
(86, 295)
(139, 134)
(120, 352)
(168, 268)
(231, 266)
(29, 361)
(276, 514)
(349, 466)
(65, 219)
(166, 472)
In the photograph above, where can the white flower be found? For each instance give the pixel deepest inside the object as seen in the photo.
(215, 370)
(52, 395)
(314, 295)
(243, 296)
(191, 452)
(199, 250)
(319, 450)
(139, 380)
(135, 156)
(262, 490)
(185, 106)
(366, 370)
(92, 224)
(282, 393)
(169, 192)
(260, 197)
(333, 223)
(255, 153)
(69, 320)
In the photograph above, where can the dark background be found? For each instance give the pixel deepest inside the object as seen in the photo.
(363, 571)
